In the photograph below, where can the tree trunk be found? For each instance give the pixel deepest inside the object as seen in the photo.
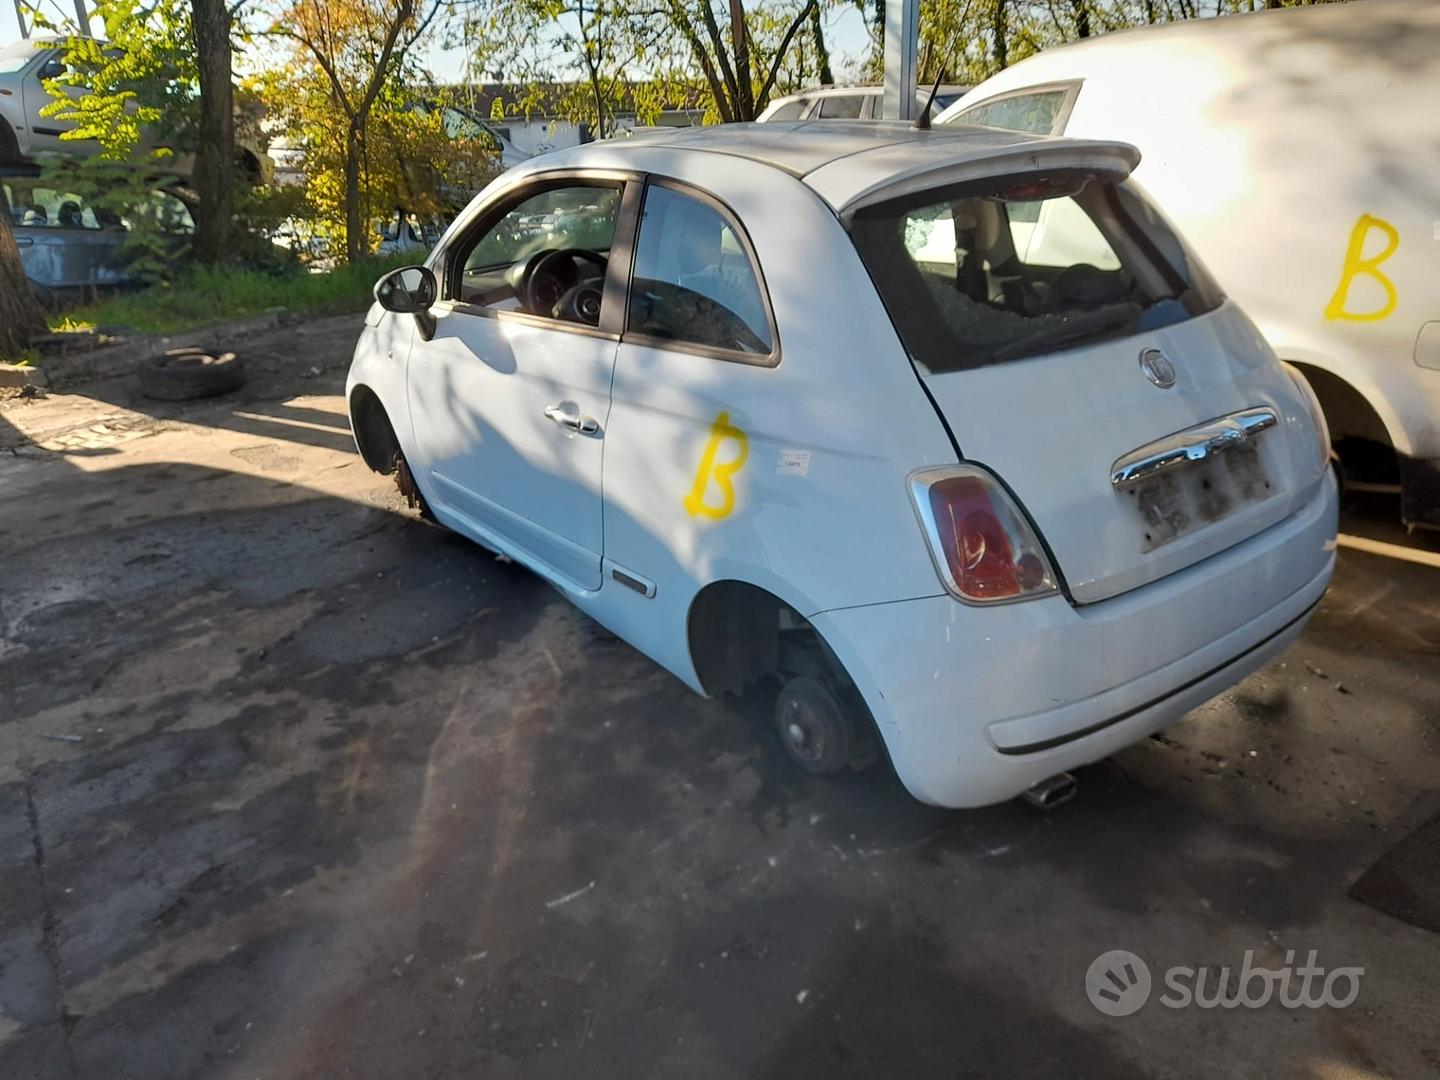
(1001, 30)
(355, 238)
(20, 314)
(745, 106)
(822, 54)
(215, 159)
(1082, 19)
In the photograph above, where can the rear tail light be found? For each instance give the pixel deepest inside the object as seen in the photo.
(984, 549)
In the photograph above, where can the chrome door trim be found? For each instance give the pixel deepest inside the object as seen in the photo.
(1191, 445)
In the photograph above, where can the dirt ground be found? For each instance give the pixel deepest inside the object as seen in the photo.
(295, 786)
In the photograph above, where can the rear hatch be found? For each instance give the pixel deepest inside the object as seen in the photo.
(1076, 349)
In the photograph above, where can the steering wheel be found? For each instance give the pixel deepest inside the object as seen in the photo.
(550, 277)
(581, 303)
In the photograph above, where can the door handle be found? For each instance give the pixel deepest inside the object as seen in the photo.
(24, 241)
(1193, 444)
(585, 425)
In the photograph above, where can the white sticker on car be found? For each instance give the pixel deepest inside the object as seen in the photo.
(793, 463)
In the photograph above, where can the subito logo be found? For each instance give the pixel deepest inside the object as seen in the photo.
(1118, 983)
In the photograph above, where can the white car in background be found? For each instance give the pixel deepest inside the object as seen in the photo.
(785, 407)
(1300, 151)
(24, 65)
(851, 103)
(26, 134)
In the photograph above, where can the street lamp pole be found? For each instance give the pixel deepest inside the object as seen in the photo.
(902, 34)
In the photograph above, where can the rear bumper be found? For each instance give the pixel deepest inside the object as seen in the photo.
(975, 705)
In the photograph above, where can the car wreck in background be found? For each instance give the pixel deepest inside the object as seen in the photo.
(71, 249)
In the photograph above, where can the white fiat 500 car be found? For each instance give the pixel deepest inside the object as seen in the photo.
(783, 405)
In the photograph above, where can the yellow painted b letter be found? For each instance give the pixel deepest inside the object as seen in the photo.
(695, 501)
(1356, 264)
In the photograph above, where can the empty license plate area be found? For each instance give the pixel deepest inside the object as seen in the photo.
(1180, 500)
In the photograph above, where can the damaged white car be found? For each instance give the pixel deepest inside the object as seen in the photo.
(834, 410)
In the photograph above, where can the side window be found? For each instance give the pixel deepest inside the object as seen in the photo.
(576, 222)
(841, 106)
(39, 207)
(1037, 112)
(159, 208)
(693, 280)
(791, 110)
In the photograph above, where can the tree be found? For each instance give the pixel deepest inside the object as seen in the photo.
(739, 68)
(423, 152)
(584, 61)
(358, 46)
(20, 314)
(156, 96)
(214, 176)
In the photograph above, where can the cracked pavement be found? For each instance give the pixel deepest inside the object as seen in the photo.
(295, 786)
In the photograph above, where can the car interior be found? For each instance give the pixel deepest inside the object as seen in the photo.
(981, 278)
(546, 256)
(693, 280)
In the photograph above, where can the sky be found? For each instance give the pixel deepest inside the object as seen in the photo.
(844, 34)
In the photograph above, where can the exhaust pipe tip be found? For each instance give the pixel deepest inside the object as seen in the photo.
(1051, 792)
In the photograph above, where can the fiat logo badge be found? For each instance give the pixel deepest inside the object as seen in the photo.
(1157, 368)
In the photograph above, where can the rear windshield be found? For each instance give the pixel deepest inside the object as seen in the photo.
(982, 274)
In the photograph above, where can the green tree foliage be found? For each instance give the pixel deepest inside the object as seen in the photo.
(135, 95)
(354, 50)
(580, 60)
(421, 153)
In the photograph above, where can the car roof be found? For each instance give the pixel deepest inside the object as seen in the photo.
(848, 162)
(869, 89)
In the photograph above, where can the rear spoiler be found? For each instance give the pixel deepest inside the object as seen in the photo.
(1114, 160)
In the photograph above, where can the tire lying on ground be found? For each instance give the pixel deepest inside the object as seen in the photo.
(183, 374)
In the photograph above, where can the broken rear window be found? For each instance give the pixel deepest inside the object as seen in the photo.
(982, 274)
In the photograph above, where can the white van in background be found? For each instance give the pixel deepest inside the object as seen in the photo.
(1299, 150)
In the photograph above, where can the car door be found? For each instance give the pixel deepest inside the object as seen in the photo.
(509, 400)
(44, 130)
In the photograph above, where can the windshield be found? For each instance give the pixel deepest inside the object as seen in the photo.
(15, 56)
(983, 274)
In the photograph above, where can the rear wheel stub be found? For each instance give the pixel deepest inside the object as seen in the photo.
(812, 726)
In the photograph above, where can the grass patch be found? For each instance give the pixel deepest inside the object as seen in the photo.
(204, 296)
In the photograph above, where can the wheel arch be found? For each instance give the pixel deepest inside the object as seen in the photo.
(374, 432)
(733, 630)
(1349, 411)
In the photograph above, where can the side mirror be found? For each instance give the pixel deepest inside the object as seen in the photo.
(52, 68)
(408, 291)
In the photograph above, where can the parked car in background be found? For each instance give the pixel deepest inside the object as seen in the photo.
(25, 133)
(403, 232)
(68, 248)
(1006, 505)
(461, 122)
(851, 103)
(1300, 151)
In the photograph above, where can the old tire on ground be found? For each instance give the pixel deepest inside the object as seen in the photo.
(184, 374)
